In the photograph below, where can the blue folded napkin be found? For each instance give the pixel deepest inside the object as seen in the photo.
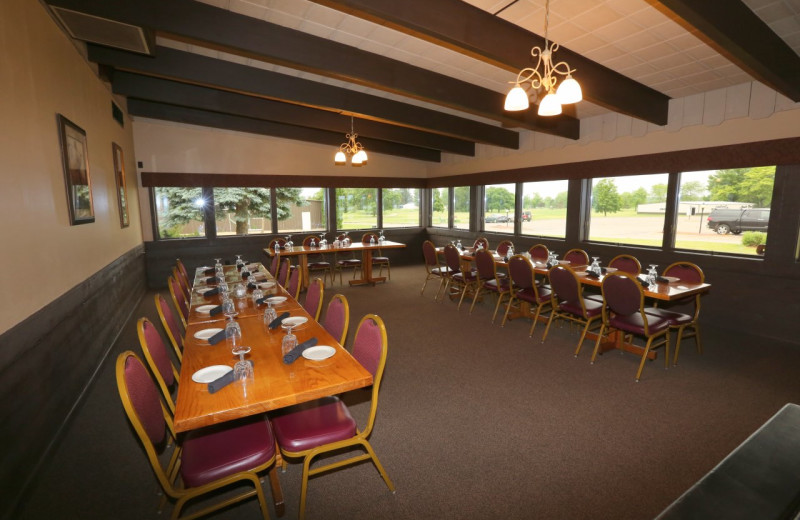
(643, 281)
(212, 292)
(212, 280)
(216, 338)
(223, 381)
(209, 272)
(261, 300)
(592, 274)
(277, 321)
(216, 310)
(251, 286)
(245, 274)
(296, 352)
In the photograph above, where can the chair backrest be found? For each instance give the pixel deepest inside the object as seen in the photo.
(273, 268)
(521, 272)
(145, 411)
(183, 271)
(623, 295)
(453, 258)
(313, 302)
(577, 257)
(184, 285)
(429, 253)
(307, 240)
(284, 272)
(178, 299)
(566, 286)
(502, 247)
(539, 252)
(170, 325)
(155, 352)
(280, 241)
(337, 318)
(369, 349)
(366, 237)
(487, 268)
(627, 264)
(295, 281)
(481, 240)
(688, 273)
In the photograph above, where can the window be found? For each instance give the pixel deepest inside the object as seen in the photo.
(356, 208)
(179, 212)
(461, 207)
(498, 206)
(629, 210)
(440, 207)
(400, 207)
(544, 208)
(243, 211)
(301, 209)
(724, 211)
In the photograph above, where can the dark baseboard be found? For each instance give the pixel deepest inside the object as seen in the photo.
(50, 359)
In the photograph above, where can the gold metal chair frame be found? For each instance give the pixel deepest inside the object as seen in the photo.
(167, 476)
(380, 264)
(500, 293)
(346, 306)
(292, 270)
(360, 439)
(694, 324)
(172, 339)
(605, 327)
(556, 313)
(154, 367)
(325, 270)
(465, 285)
(321, 295)
(539, 306)
(175, 301)
(442, 273)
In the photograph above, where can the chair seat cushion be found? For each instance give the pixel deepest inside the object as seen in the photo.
(440, 271)
(319, 265)
(492, 285)
(634, 324)
(380, 259)
(676, 319)
(465, 277)
(348, 262)
(593, 308)
(218, 451)
(529, 296)
(595, 297)
(308, 425)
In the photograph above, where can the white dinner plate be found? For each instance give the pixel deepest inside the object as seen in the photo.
(564, 262)
(205, 309)
(671, 279)
(611, 269)
(209, 374)
(319, 352)
(294, 321)
(252, 267)
(276, 300)
(206, 334)
(266, 285)
(581, 273)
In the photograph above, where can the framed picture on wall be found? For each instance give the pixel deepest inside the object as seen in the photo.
(122, 186)
(75, 158)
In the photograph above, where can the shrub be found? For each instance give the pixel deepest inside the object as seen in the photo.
(753, 238)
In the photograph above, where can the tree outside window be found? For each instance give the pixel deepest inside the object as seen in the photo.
(461, 207)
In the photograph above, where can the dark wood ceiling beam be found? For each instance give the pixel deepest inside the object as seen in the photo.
(193, 116)
(193, 96)
(243, 35)
(472, 31)
(193, 68)
(741, 36)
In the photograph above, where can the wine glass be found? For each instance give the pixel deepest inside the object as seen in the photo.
(322, 241)
(223, 289)
(257, 294)
(289, 341)
(553, 259)
(269, 314)
(289, 243)
(652, 274)
(242, 370)
(595, 267)
(228, 307)
(381, 238)
(239, 261)
(218, 264)
(346, 241)
(459, 245)
(239, 291)
(233, 331)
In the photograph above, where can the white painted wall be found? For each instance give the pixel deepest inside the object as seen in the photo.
(42, 74)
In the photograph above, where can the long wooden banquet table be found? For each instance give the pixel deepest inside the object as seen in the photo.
(275, 384)
(663, 291)
(366, 250)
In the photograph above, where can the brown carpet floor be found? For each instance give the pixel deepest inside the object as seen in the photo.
(475, 422)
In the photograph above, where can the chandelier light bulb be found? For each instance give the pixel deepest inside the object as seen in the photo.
(569, 91)
(340, 159)
(517, 99)
(549, 105)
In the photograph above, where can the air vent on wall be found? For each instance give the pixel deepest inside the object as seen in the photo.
(102, 31)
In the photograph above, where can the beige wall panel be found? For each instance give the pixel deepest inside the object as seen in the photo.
(42, 74)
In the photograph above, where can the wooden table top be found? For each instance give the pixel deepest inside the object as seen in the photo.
(275, 385)
(354, 246)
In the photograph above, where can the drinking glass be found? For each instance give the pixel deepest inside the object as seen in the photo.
(233, 332)
(289, 342)
(239, 261)
(242, 370)
(346, 241)
(239, 290)
(218, 264)
(257, 295)
(228, 307)
(595, 267)
(510, 252)
(269, 314)
(223, 289)
(322, 241)
(459, 246)
(652, 274)
(381, 238)
(372, 240)
(289, 243)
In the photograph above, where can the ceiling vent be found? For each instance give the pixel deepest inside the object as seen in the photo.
(103, 31)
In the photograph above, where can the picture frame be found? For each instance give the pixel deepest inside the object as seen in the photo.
(122, 184)
(75, 159)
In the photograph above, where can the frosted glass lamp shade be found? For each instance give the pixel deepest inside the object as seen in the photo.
(516, 99)
(339, 159)
(549, 105)
(569, 91)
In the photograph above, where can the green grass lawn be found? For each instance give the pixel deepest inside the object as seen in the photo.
(734, 249)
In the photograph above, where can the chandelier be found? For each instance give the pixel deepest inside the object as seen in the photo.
(544, 80)
(352, 148)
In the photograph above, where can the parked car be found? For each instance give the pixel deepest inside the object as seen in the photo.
(526, 216)
(496, 218)
(727, 220)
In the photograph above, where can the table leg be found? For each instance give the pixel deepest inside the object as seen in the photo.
(275, 486)
(366, 271)
(616, 341)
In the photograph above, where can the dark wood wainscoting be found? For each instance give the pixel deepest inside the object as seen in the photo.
(50, 359)
(161, 255)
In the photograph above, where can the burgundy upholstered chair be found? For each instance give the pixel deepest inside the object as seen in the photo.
(524, 291)
(337, 318)
(295, 282)
(502, 247)
(688, 273)
(184, 285)
(539, 253)
(311, 429)
(489, 281)
(178, 299)
(348, 262)
(208, 459)
(313, 302)
(456, 275)
(276, 262)
(155, 352)
(433, 267)
(317, 262)
(283, 274)
(624, 311)
(482, 241)
(569, 303)
(182, 269)
(170, 325)
(577, 257)
(625, 263)
(378, 259)
(280, 241)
